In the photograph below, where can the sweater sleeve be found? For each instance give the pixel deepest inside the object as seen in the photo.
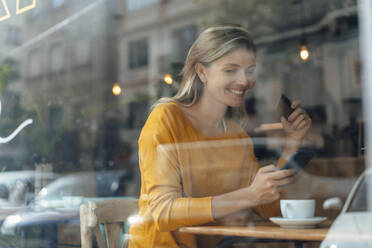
(163, 182)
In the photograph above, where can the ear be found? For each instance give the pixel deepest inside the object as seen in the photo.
(201, 72)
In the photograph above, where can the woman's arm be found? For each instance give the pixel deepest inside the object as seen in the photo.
(291, 146)
(265, 188)
(170, 210)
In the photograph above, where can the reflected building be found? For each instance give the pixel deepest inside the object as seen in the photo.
(11, 29)
(68, 67)
(328, 83)
(74, 52)
(155, 35)
(12, 35)
(154, 38)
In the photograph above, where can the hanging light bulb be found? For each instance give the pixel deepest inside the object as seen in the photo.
(304, 53)
(168, 79)
(116, 89)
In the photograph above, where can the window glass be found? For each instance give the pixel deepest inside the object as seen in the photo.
(183, 39)
(132, 5)
(168, 102)
(57, 3)
(82, 52)
(13, 35)
(138, 53)
(56, 57)
(34, 64)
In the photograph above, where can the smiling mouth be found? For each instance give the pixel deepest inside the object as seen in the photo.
(237, 92)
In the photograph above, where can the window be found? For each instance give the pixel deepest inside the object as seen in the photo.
(34, 66)
(82, 50)
(182, 41)
(13, 35)
(138, 4)
(56, 58)
(55, 117)
(57, 3)
(138, 53)
(60, 59)
(34, 12)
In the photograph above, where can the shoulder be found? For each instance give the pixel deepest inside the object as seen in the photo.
(165, 112)
(165, 108)
(162, 122)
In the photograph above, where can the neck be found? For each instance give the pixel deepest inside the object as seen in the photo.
(212, 115)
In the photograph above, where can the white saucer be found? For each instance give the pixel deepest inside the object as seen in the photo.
(298, 223)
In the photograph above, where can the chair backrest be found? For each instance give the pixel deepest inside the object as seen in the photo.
(105, 220)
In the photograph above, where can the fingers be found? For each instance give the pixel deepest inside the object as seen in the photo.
(268, 168)
(297, 120)
(284, 121)
(296, 104)
(270, 182)
(301, 119)
(295, 114)
(286, 181)
(275, 173)
(302, 124)
(280, 174)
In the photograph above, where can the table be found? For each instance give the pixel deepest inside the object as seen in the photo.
(260, 232)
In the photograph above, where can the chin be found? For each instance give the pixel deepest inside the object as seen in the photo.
(235, 104)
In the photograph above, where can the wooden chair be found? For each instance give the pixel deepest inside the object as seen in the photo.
(105, 220)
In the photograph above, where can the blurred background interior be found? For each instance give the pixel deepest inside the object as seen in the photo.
(88, 71)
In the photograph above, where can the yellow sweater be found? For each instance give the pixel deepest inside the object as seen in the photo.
(181, 169)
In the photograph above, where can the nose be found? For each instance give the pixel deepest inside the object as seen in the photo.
(247, 79)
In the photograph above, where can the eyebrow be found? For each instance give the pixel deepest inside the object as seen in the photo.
(236, 65)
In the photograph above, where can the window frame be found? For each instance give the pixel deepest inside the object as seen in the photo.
(58, 69)
(138, 55)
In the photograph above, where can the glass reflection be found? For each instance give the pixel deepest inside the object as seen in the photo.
(60, 61)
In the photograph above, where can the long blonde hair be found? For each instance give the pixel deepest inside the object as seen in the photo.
(212, 44)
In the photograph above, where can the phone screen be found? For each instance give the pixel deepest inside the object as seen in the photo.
(298, 160)
(284, 106)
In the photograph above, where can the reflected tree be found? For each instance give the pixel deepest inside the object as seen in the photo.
(48, 140)
(12, 115)
(264, 17)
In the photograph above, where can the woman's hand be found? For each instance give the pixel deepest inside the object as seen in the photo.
(268, 184)
(298, 123)
(265, 188)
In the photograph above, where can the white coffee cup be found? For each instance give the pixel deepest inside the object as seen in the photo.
(295, 209)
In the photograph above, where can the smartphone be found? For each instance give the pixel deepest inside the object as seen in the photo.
(298, 160)
(284, 106)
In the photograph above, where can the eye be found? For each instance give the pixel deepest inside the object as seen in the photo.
(230, 70)
(250, 71)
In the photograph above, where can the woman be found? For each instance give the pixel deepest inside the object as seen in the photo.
(197, 167)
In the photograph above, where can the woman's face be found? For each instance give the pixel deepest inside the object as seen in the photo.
(228, 79)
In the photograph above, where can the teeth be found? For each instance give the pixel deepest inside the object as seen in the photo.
(238, 92)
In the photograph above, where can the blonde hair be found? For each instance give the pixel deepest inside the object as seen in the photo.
(212, 44)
